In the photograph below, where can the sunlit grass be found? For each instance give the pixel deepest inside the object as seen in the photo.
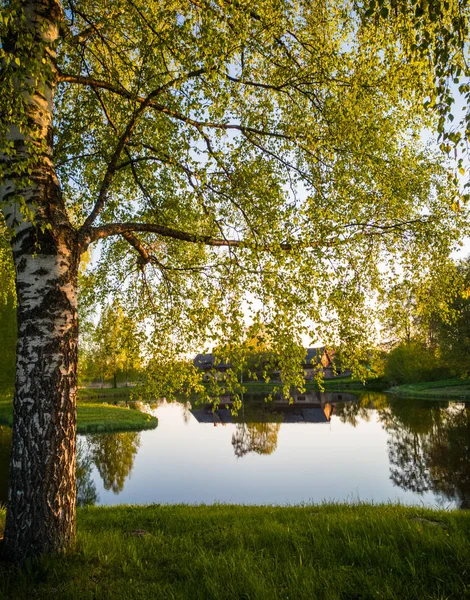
(337, 384)
(328, 552)
(97, 394)
(104, 418)
(93, 417)
(455, 387)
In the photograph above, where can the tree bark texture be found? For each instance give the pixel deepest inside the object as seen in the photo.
(41, 497)
(42, 490)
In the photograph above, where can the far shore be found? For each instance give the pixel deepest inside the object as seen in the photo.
(450, 389)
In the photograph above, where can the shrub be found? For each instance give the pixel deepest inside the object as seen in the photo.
(413, 362)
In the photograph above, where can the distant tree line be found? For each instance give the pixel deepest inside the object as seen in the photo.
(112, 349)
(428, 327)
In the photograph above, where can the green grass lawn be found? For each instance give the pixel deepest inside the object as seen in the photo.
(329, 552)
(103, 394)
(99, 418)
(93, 417)
(446, 388)
(337, 384)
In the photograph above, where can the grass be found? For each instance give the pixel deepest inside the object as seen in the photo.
(94, 417)
(93, 394)
(328, 552)
(101, 418)
(344, 384)
(338, 384)
(445, 388)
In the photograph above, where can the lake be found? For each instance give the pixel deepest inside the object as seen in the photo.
(325, 447)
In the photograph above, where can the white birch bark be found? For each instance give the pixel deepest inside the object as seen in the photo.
(41, 500)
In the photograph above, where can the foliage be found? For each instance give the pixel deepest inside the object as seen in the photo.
(437, 31)
(131, 552)
(434, 312)
(104, 394)
(113, 346)
(412, 308)
(425, 322)
(229, 151)
(413, 362)
(7, 342)
(7, 271)
(453, 329)
(401, 320)
(7, 311)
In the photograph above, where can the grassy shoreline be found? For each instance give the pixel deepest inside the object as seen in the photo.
(451, 389)
(93, 394)
(94, 417)
(337, 384)
(326, 552)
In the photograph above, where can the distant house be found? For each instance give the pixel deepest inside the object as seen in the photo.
(208, 363)
(321, 358)
(318, 359)
(315, 359)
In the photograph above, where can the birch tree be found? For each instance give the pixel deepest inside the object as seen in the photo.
(111, 347)
(211, 148)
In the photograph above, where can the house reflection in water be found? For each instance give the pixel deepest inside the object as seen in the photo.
(258, 422)
(310, 407)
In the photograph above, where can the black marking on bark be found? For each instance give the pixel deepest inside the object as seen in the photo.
(22, 286)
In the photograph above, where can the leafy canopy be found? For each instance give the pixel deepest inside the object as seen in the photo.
(112, 346)
(243, 166)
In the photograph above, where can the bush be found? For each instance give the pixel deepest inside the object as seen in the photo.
(414, 362)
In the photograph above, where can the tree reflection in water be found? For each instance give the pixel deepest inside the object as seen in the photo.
(428, 445)
(353, 413)
(449, 458)
(255, 437)
(113, 455)
(429, 448)
(86, 489)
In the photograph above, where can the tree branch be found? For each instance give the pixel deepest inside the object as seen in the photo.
(121, 91)
(134, 241)
(96, 233)
(126, 229)
(113, 163)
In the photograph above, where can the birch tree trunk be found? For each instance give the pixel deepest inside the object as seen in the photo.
(42, 492)
(41, 497)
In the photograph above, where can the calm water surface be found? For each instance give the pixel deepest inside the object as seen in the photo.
(325, 447)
